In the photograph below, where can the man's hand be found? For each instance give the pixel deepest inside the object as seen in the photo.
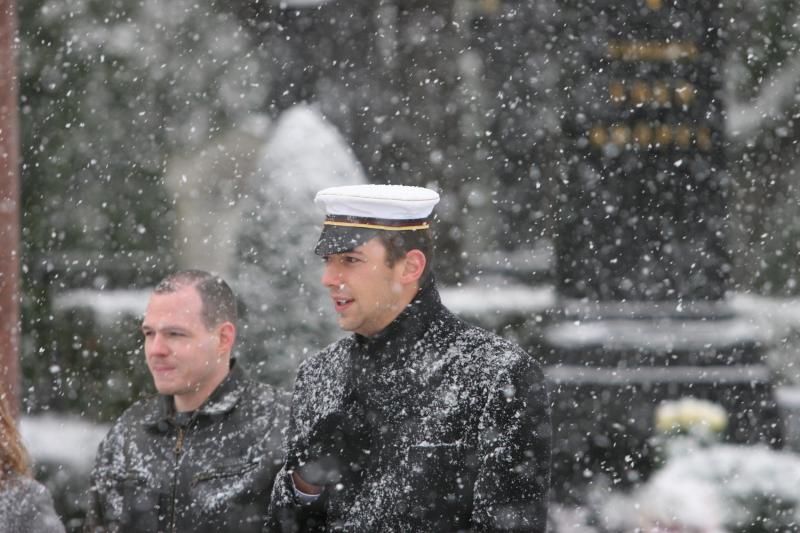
(336, 451)
(302, 486)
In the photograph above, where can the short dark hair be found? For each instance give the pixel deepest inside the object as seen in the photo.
(399, 243)
(219, 303)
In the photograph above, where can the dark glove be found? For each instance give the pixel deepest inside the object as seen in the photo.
(336, 451)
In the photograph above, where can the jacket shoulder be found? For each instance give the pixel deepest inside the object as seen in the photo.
(493, 353)
(322, 381)
(263, 400)
(129, 424)
(132, 417)
(328, 359)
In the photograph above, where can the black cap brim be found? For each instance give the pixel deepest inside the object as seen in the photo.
(341, 239)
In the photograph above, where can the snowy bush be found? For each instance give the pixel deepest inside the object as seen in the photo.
(704, 486)
(685, 425)
(690, 415)
(63, 464)
(745, 489)
(288, 312)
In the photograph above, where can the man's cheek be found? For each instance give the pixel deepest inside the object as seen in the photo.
(191, 346)
(203, 345)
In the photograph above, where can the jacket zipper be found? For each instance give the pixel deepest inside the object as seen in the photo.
(178, 450)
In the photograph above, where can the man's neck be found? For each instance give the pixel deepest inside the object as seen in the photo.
(406, 298)
(192, 401)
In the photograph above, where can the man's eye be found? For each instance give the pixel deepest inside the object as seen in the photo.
(350, 259)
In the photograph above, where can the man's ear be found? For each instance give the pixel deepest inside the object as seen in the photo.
(413, 266)
(227, 335)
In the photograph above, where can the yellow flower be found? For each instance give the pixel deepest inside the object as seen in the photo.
(689, 414)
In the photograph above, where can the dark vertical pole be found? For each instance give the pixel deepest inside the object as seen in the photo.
(9, 209)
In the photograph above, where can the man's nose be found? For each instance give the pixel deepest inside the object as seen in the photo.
(156, 346)
(330, 276)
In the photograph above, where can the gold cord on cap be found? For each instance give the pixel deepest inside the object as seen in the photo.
(376, 226)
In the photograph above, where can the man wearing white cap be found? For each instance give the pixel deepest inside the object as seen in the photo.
(417, 421)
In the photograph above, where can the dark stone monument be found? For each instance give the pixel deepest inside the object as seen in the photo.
(647, 189)
(643, 263)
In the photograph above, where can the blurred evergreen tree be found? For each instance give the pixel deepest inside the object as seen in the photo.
(109, 90)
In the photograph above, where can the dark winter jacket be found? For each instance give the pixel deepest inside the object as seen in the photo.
(432, 425)
(25, 505)
(213, 474)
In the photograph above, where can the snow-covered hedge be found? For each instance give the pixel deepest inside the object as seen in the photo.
(745, 489)
(705, 486)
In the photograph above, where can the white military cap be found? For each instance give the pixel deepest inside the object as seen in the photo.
(355, 214)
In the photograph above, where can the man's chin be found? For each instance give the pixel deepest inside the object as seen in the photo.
(166, 389)
(344, 324)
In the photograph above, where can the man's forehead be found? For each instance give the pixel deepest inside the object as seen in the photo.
(173, 306)
(182, 293)
(164, 311)
(173, 317)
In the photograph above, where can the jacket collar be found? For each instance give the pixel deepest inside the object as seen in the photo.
(222, 401)
(406, 329)
(359, 359)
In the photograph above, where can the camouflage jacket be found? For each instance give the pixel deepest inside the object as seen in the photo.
(440, 426)
(215, 473)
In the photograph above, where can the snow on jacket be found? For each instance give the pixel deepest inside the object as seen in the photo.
(431, 425)
(213, 474)
(25, 505)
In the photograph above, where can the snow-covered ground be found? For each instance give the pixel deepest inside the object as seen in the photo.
(498, 299)
(767, 313)
(775, 320)
(772, 319)
(108, 306)
(62, 440)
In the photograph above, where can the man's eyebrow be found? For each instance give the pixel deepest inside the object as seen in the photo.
(174, 327)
